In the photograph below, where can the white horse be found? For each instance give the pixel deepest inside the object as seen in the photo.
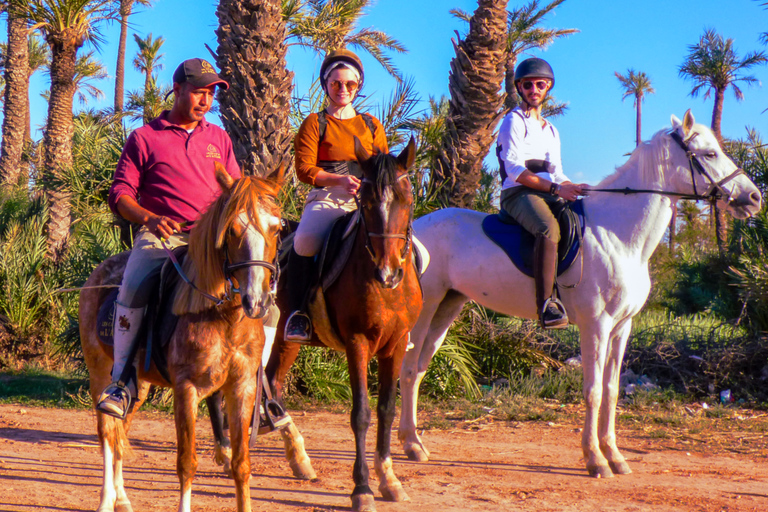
(621, 234)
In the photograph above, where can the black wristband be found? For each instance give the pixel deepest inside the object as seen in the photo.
(554, 189)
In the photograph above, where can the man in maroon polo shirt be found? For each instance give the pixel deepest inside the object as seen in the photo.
(163, 180)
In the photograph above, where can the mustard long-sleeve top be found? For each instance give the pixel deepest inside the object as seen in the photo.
(337, 145)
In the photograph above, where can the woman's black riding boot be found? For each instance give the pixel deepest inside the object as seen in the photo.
(301, 277)
(551, 311)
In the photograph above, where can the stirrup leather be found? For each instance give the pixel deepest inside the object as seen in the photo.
(558, 322)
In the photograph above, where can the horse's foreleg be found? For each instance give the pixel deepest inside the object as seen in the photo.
(222, 451)
(357, 359)
(185, 413)
(427, 336)
(593, 356)
(607, 427)
(240, 401)
(389, 486)
(108, 491)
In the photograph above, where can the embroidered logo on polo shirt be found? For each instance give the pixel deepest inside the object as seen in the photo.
(212, 152)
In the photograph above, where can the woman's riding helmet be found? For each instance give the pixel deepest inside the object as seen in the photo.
(341, 56)
(534, 68)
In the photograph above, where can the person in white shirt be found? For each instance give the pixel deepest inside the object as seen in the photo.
(532, 181)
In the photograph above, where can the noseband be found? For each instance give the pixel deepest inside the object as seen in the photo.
(715, 192)
(368, 234)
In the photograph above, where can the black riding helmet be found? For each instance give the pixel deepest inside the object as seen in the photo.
(534, 68)
(346, 56)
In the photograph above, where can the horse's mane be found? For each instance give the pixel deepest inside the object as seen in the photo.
(650, 159)
(204, 264)
(384, 166)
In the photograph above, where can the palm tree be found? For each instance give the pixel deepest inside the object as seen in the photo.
(16, 63)
(713, 65)
(125, 8)
(66, 25)
(147, 60)
(87, 71)
(637, 85)
(148, 103)
(476, 105)
(251, 57)
(524, 34)
(325, 25)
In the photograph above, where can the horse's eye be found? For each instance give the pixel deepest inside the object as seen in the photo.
(711, 154)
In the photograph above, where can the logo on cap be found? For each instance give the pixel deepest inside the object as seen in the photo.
(206, 68)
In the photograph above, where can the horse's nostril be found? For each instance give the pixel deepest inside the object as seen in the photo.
(247, 302)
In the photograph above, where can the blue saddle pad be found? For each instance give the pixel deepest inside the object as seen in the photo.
(518, 243)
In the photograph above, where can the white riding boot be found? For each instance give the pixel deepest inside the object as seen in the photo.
(116, 399)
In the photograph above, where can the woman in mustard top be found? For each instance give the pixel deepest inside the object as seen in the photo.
(325, 158)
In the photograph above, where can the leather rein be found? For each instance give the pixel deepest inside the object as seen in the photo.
(407, 236)
(715, 192)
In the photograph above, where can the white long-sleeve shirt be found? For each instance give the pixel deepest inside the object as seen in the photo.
(522, 139)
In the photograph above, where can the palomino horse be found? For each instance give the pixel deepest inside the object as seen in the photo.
(367, 311)
(215, 346)
(621, 234)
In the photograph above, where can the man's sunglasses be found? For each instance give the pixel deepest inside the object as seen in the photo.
(540, 85)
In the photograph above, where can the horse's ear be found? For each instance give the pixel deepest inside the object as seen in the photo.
(676, 123)
(360, 152)
(278, 177)
(223, 178)
(688, 121)
(408, 155)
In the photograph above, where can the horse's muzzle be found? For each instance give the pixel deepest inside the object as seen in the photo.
(388, 278)
(257, 310)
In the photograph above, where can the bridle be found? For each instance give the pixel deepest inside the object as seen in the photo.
(407, 236)
(715, 191)
(273, 267)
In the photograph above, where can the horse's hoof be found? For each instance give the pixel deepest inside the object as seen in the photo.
(600, 472)
(393, 492)
(363, 503)
(123, 506)
(416, 453)
(222, 456)
(303, 471)
(620, 468)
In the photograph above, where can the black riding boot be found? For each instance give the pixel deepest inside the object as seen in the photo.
(301, 277)
(551, 311)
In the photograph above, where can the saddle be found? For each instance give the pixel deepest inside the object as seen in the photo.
(517, 243)
(159, 320)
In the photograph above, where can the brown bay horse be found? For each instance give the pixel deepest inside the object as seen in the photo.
(215, 348)
(368, 311)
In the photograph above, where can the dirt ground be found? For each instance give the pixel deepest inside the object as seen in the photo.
(49, 460)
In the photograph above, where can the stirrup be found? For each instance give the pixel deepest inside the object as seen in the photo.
(553, 314)
(298, 328)
(115, 401)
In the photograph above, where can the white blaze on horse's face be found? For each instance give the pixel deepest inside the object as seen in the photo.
(255, 291)
(744, 198)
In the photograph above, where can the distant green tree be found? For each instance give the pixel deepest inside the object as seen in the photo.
(636, 85)
(147, 60)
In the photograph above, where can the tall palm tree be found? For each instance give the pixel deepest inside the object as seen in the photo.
(125, 9)
(524, 34)
(16, 63)
(636, 85)
(713, 65)
(87, 71)
(325, 25)
(148, 103)
(66, 25)
(476, 104)
(251, 57)
(147, 60)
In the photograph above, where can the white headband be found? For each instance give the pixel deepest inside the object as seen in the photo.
(341, 64)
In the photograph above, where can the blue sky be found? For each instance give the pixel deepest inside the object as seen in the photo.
(598, 130)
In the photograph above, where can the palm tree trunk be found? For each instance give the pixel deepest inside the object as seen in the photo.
(721, 222)
(673, 229)
(125, 13)
(638, 122)
(512, 99)
(717, 114)
(16, 96)
(476, 106)
(57, 142)
(251, 56)
(147, 87)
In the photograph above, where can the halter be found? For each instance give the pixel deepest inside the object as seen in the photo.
(274, 268)
(715, 191)
(368, 235)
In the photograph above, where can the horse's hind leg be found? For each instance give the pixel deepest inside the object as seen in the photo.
(427, 336)
(357, 359)
(222, 452)
(607, 426)
(389, 486)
